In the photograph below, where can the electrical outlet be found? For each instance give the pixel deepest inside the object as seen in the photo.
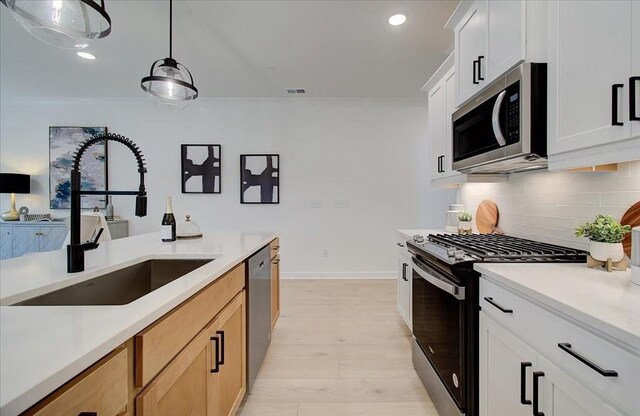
(342, 203)
(325, 253)
(316, 203)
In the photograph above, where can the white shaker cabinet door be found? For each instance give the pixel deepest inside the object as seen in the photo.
(471, 51)
(506, 38)
(437, 129)
(52, 238)
(634, 82)
(561, 395)
(505, 362)
(589, 69)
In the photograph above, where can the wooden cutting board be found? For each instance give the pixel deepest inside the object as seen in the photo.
(487, 217)
(632, 218)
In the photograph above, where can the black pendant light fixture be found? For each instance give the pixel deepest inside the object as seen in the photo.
(67, 24)
(170, 82)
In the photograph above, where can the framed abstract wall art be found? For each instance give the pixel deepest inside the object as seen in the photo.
(260, 179)
(201, 168)
(63, 142)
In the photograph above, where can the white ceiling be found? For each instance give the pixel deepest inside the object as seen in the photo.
(241, 49)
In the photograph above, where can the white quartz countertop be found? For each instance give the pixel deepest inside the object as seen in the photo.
(42, 347)
(606, 302)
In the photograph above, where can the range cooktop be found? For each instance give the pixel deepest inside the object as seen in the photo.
(495, 248)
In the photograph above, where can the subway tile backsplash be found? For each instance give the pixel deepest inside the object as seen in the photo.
(547, 206)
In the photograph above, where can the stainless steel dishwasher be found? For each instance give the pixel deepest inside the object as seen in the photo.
(259, 310)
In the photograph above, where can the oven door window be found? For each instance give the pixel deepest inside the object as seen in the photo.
(438, 326)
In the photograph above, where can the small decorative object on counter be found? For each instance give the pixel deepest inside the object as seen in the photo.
(188, 229)
(23, 213)
(109, 212)
(606, 235)
(452, 217)
(464, 224)
(635, 255)
(168, 228)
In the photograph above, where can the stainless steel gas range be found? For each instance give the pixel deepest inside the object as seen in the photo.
(445, 308)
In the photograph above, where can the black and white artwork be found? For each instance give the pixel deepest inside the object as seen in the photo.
(259, 179)
(201, 166)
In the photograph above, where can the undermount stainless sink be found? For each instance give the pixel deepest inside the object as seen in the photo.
(120, 287)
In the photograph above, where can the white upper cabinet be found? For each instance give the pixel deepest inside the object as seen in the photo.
(506, 40)
(489, 40)
(635, 81)
(471, 50)
(590, 63)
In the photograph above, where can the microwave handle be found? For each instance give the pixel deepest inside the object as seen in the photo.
(495, 119)
(456, 291)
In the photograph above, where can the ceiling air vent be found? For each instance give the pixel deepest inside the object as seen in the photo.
(296, 91)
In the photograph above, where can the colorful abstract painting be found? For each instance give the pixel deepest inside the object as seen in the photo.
(63, 143)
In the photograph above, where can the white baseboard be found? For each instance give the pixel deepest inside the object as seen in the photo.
(338, 275)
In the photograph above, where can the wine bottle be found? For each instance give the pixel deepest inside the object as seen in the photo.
(168, 228)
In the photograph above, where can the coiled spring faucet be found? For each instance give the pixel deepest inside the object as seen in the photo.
(75, 250)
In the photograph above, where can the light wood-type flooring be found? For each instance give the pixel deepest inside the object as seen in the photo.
(340, 348)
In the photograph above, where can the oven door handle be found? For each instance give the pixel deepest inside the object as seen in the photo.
(495, 119)
(455, 291)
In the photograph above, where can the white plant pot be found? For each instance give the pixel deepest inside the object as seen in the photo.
(604, 251)
(464, 227)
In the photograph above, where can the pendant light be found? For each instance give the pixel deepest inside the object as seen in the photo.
(170, 82)
(67, 24)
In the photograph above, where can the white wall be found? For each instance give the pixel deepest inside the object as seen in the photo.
(369, 152)
(549, 205)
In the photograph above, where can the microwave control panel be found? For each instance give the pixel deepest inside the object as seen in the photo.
(513, 112)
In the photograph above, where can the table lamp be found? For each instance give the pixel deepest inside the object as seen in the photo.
(14, 183)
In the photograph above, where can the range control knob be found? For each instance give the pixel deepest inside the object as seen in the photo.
(459, 254)
(451, 252)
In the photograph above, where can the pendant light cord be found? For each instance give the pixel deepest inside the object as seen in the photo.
(170, 28)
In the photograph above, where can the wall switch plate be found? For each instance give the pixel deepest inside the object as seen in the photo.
(342, 203)
(316, 203)
(325, 253)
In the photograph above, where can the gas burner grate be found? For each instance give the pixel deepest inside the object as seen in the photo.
(495, 247)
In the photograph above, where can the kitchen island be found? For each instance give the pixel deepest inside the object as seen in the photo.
(43, 347)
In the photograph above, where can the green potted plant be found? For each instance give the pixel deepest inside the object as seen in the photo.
(606, 235)
(464, 222)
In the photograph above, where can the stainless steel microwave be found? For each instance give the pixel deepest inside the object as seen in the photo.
(504, 129)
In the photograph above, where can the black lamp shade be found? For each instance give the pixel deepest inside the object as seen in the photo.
(15, 183)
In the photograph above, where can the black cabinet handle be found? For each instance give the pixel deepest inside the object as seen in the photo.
(503, 310)
(442, 164)
(632, 99)
(614, 105)
(88, 414)
(566, 347)
(221, 333)
(523, 383)
(480, 58)
(536, 378)
(276, 261)
(400, 244)
(475, 63)
(216, 347)
(404, 272)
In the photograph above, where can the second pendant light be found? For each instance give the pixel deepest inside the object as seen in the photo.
(170, 82)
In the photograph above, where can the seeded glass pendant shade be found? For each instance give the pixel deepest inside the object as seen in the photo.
(170, 82)
(67, 24)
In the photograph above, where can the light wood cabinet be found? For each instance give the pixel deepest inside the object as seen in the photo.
(275, 281)
(100, 389)
(229, 384)
(208, 377)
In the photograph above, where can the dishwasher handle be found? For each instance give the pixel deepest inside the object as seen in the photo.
(430, 275)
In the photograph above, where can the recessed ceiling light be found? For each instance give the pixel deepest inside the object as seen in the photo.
(86, 55)
(397, 19)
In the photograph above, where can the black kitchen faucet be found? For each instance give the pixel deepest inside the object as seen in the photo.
(76, 249)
